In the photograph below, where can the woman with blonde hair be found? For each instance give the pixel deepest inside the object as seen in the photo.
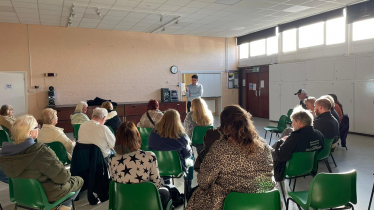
(50, 133)
(127, 149)
(25, 159)
(200, 115)
(79, 116)
(112, 120)
(6, 116)
(240, 161)
(169, 135)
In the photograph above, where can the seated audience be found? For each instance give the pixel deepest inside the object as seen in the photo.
(95, 132)
(6, 116)
(239, 162)
(338, 107)
(200, 115)
(304, 138)
(50, 133)
(130, 165)
(25, 159)
(112, 120)
(152, 116)
(309, 102)
(169, 135)
(79, 116)
(211, 136)
(325, 122)
(333, 112)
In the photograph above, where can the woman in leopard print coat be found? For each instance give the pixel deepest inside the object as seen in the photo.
(240, 162)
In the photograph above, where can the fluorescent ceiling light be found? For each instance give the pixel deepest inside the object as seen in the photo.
(228, 2)
(296, 9)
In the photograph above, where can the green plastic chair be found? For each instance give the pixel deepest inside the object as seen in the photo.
(279, 129)
(4, 137)
(198, 134)
(325, 153)
(257, 201)
(29, 193)
(5, 129)
(289, 121)
(135, 197)
(328, 191)
(144, 135)
(75, 130)
(169, 165)
(111, 129)
(60, 151)
(301, 164)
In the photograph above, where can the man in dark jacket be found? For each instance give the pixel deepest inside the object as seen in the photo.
(325, 122)
(303, 139)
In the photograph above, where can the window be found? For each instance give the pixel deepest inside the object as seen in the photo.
(272, 45)
(335, 31)
(363, 30)
(289, 40)
(244, 48)
(243, 51)
(311, 35)
(257, 47)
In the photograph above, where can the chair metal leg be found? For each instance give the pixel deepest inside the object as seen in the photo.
(271, 135)
(289, 183)
(333, 159)
(281, 186)
(294, 184)
(328, 165)
(288, 202)
(266, 133)
(72, 203)
(15, 207)
(371, 197)
(1, 208)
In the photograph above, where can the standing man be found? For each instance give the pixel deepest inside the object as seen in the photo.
(194, 90)
(302, 94)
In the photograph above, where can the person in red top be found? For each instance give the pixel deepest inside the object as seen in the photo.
(338, 107)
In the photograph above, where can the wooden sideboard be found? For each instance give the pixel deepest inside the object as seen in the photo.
(127, 111)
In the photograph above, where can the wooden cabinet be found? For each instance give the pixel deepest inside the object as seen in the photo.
(126, 111)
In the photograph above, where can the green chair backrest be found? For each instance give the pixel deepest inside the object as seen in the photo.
(169, 163)
(289, 115)
(329, 190)
(134, 196)
(144, 135)
(75, 130)
(198, 134)
(60, 151)
(5, 129)
(257, 201)
(301, 163)
(326, 149)
(111, 129)
(282, 123)
(4, 137)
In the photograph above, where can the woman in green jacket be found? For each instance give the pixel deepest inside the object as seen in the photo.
(26, 159)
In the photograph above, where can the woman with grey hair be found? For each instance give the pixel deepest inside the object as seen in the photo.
(6, 116)
(79, 116)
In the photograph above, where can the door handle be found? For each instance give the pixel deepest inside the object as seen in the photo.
(259, 92)
(256, 92)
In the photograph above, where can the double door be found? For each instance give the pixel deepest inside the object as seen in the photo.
(257, 93)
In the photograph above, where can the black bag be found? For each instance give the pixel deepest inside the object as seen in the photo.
(175, 195)
(150, 119)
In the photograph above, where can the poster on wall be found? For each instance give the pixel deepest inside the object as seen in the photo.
(250, 86)
(233, 79)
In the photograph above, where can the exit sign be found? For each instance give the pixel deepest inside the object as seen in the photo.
(256, 69)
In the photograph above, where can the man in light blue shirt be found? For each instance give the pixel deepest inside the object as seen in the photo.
(194, 90)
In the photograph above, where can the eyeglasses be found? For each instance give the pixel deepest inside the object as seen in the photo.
(37, 127)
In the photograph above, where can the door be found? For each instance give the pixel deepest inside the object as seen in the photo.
(12, 92)
(252, 95)
(263, 95)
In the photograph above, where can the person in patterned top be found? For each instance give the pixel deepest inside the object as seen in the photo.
(240, 161)
(130, 165)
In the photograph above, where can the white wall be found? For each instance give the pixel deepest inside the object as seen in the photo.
(349, 77)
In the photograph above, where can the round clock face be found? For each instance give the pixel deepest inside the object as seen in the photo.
(174, 69)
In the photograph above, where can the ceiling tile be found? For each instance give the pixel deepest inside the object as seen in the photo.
(281, 14)
(215, 6)
(149, 21)
(118, 13)
(155, 1)
(92, 16)
(49, 12)
(133, 20)
(188, 10)
(29, 1)
(144, 24)
(8, 14)
(23, 19)
(25, 5)
(196, 16)
(87, 25)
(177, 2)
(170, 8)
(314, 3)
(205, 12)
(227, 2)
(100, 5)
(79, 9)
(297, 2)
(107, 27)
(42, 21)
(25, 10)
(148, 5)
(281, 7)
(110, 22)
(49, 17)
(5, 18)
(5, 3)
(92, 10)
(104, 1)
(107, 17)
(88, 20)
(53, 2)
(222, 13)
(126, 24)
(126, 3)
(50, 7)
(136, 15)
(197, 4)
(267, 12)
